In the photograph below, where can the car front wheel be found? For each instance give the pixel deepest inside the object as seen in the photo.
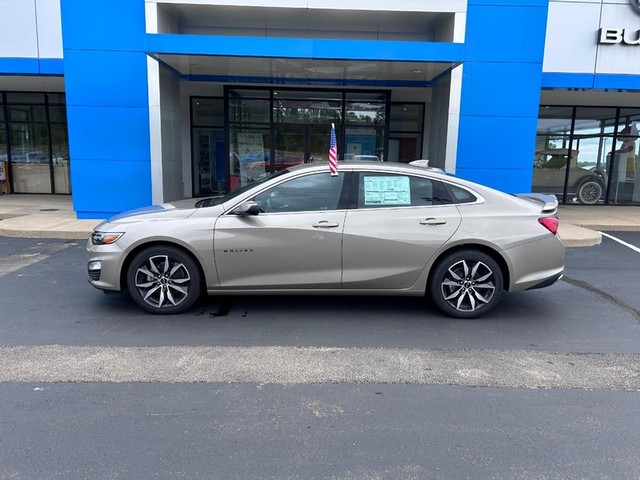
(466, 283)
(163, 280)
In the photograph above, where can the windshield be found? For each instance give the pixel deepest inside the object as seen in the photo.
(208, 202)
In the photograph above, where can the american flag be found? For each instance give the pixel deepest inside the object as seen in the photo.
(333, 152)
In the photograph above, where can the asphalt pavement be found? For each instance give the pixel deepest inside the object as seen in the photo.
(350, 388)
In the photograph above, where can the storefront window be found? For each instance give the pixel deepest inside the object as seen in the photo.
(273, 129)
(406, 125)
(249, 110)
(3, 143)
(295, 106)
(36, 144)
(30, 158)
(207, 134)
(625, 182)
(60, 158)
(587, 155)
(249, 154)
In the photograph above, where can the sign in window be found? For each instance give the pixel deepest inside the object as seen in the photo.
(387, 190)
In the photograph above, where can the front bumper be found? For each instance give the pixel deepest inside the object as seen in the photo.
(109, 258)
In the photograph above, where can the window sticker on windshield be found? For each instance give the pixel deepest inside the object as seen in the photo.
(391, 190)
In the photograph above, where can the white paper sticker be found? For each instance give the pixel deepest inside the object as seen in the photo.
(392, 190)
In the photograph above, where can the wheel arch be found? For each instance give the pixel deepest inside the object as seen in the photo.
(159, 243)
(492, 252)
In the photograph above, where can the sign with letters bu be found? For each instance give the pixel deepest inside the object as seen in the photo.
(624, 36)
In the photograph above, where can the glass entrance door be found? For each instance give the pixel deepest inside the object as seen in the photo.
(296, 144)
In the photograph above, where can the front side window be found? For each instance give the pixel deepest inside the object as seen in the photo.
(316, 192)
(378, 190)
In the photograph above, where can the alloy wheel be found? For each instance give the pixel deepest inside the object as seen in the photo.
(468, 285)
(163, 281)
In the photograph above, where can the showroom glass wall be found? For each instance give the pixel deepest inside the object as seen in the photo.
(588, 155)
(271, 129)
(34, 142)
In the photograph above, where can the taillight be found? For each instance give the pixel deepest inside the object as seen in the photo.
(550, 223)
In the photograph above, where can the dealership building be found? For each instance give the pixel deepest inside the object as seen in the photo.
(125, 103)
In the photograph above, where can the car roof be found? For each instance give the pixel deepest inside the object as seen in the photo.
(385, 167)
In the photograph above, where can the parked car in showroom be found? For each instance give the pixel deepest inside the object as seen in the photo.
(586, 185)
(376, 228)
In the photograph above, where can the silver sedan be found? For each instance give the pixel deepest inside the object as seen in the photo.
(373, 229)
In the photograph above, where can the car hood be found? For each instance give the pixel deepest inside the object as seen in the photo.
(164, 211)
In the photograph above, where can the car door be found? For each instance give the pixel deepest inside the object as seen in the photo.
(293, 243)
(395, 224)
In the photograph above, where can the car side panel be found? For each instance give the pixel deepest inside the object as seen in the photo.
(389, 247)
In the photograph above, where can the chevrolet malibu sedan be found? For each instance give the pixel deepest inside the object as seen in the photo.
(373, 229)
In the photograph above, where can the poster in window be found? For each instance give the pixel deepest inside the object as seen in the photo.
(387, 190)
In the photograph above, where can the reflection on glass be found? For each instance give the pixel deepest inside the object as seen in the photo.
(31, 171)
(306, 111)
(207, 112)
(60, 158)
(3, 145)
(628, 145)
(365, 113)
(362, 143)
(249, 151)
(289, 147)
(27, 113)
(319, 139)
(209, 172)
(249, 110)
(406, 117)
(404, 147)
(578, 158)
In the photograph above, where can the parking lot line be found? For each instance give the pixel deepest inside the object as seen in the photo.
(621, 242)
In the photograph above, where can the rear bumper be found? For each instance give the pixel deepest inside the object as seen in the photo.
(549, 281)
(536, 264)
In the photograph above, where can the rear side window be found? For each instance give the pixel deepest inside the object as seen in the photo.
(378, 190)
(460, 195)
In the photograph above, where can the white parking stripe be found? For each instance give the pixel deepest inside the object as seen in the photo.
(621, 242)
(307, 365)
(34, 254)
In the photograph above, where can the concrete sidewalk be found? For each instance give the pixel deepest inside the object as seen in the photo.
(52, 216)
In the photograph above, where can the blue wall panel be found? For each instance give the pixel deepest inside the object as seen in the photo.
(108, 106)
(109, 133)
(19, 66)
(111, 186)
(505, 34)
(506, 89)
(103, 25)
(501, 85)
(497, 152)
(31, 66)
(106, 78)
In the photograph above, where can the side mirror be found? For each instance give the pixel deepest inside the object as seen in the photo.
(247, 208)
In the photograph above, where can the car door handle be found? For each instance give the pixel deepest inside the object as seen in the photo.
(325, 224)
(432, 221)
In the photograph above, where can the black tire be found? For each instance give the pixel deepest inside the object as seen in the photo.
(590, 191)
(163, 280)
(466, 283)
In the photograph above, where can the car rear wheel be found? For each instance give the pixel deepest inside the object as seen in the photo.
(466, 283)
(590, 192)
(163, 280)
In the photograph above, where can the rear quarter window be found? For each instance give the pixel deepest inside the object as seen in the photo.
(461, 195)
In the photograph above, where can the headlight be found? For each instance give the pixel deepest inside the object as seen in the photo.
(105, 238)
